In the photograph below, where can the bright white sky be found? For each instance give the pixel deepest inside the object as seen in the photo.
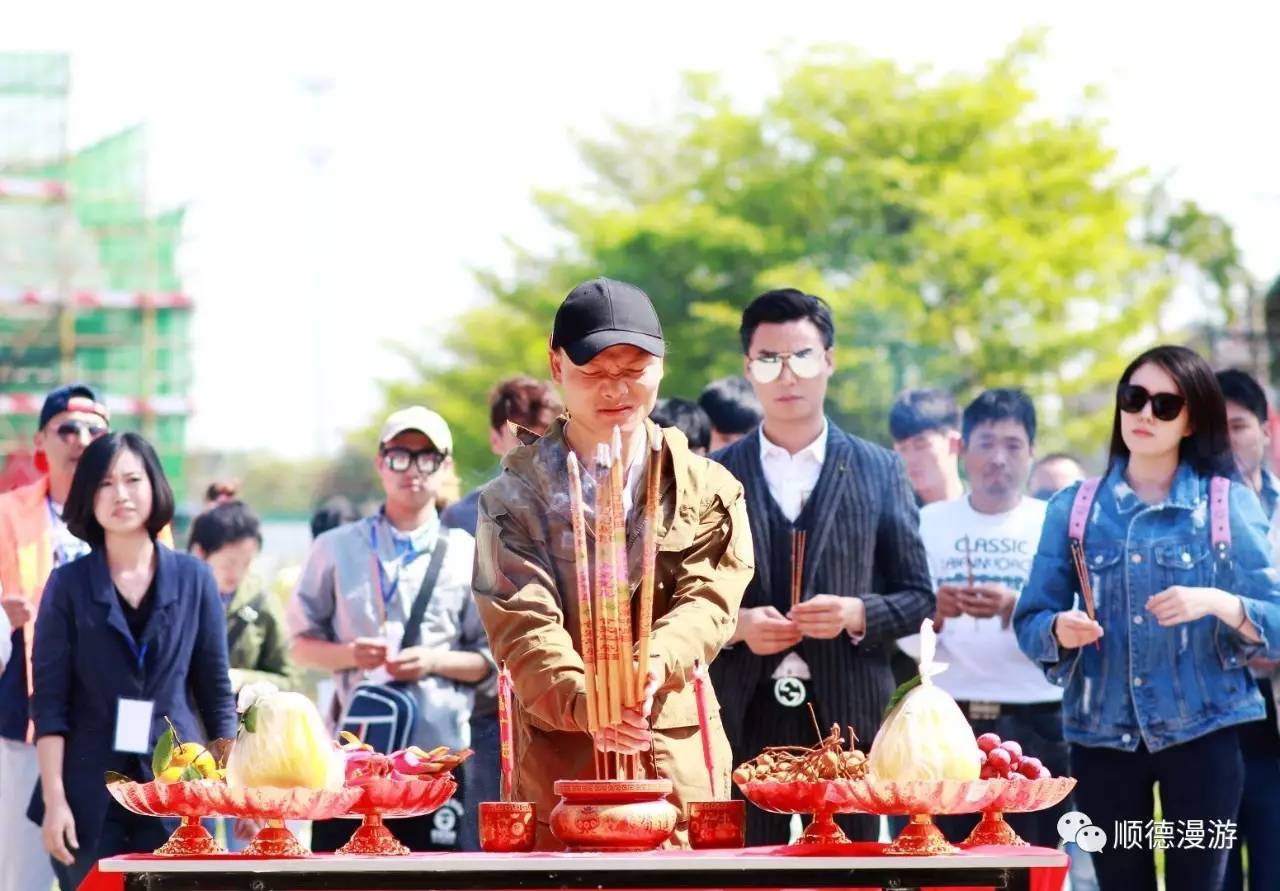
(436, 122)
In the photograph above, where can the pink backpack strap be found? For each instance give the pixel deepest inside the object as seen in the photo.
(1220, 514)
(1081, 506)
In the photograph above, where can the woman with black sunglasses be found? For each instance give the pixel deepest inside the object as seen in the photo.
(1155, 669)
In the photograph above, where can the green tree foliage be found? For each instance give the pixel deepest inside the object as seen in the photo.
(962, 238)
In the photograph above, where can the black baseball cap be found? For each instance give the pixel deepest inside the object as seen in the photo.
(72, 397)
(603, 313)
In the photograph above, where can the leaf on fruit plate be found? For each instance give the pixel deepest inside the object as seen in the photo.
(112, 777)
(163, 752)
(903, 689)
(249, 720)
(190, 773)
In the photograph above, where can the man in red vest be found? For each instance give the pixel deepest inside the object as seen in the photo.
(33, 541)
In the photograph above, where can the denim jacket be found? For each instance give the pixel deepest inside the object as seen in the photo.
(1143, 682)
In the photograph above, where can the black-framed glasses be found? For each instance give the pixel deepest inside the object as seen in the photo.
(767, 368)
(1165, 406)
(399, 460)
(72, 430)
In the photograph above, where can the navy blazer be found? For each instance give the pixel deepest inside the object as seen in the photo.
(85, 659)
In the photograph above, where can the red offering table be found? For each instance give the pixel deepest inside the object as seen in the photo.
(861, 865)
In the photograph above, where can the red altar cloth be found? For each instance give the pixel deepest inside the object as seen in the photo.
(1042, 878)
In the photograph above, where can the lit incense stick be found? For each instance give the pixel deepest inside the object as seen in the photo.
(649, 564)
(581, 559)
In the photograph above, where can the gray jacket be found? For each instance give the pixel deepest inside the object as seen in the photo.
(339, 598)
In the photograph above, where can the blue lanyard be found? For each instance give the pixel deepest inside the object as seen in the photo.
(139, 653)
(389, 591)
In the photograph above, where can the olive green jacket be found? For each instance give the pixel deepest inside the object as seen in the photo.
(257, 643)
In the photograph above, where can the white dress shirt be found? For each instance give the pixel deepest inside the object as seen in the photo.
(792, 478)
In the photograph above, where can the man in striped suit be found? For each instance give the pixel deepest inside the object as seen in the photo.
(865, 578)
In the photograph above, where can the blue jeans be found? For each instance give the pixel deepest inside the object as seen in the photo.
(482, 773)
(1259, 827)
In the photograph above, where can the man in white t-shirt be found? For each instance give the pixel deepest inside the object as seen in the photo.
(980, 548)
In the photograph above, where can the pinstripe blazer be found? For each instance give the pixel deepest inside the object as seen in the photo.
(864, 541)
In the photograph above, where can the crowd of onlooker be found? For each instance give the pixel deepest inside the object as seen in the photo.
(1123, 628)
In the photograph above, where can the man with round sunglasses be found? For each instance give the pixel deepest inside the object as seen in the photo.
(357, 592)
(865, 578)
(34, 540)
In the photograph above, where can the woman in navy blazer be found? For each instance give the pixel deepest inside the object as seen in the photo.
(131, 620)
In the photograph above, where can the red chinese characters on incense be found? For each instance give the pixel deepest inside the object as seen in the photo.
(506, 742)
(614, 679)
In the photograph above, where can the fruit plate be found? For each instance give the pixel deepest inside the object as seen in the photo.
(387, 798)
(272, 806)
(180, 800)
(1017, 797)
(823, 799)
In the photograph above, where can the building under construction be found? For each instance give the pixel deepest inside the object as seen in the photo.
(88, 286)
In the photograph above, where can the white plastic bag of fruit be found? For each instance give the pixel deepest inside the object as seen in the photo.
(925, 736)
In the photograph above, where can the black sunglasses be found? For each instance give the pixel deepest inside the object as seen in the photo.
(1165, 406)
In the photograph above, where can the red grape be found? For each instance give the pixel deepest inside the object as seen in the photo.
(1013, 748)
(988, 741)
(999, 759)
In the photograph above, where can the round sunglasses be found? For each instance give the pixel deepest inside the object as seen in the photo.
(767, 368)
(1164, 406)
(398, 460)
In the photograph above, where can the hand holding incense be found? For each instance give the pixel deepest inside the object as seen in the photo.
(1086, 584)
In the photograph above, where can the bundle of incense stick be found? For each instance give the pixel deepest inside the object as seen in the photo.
(604, 613)
(1086, 586)
(649, 564)
(797, 565)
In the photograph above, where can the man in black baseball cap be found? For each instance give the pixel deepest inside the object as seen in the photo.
(603, 313)
(606, 353)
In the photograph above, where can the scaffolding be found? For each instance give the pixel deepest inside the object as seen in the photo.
(89, 289)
